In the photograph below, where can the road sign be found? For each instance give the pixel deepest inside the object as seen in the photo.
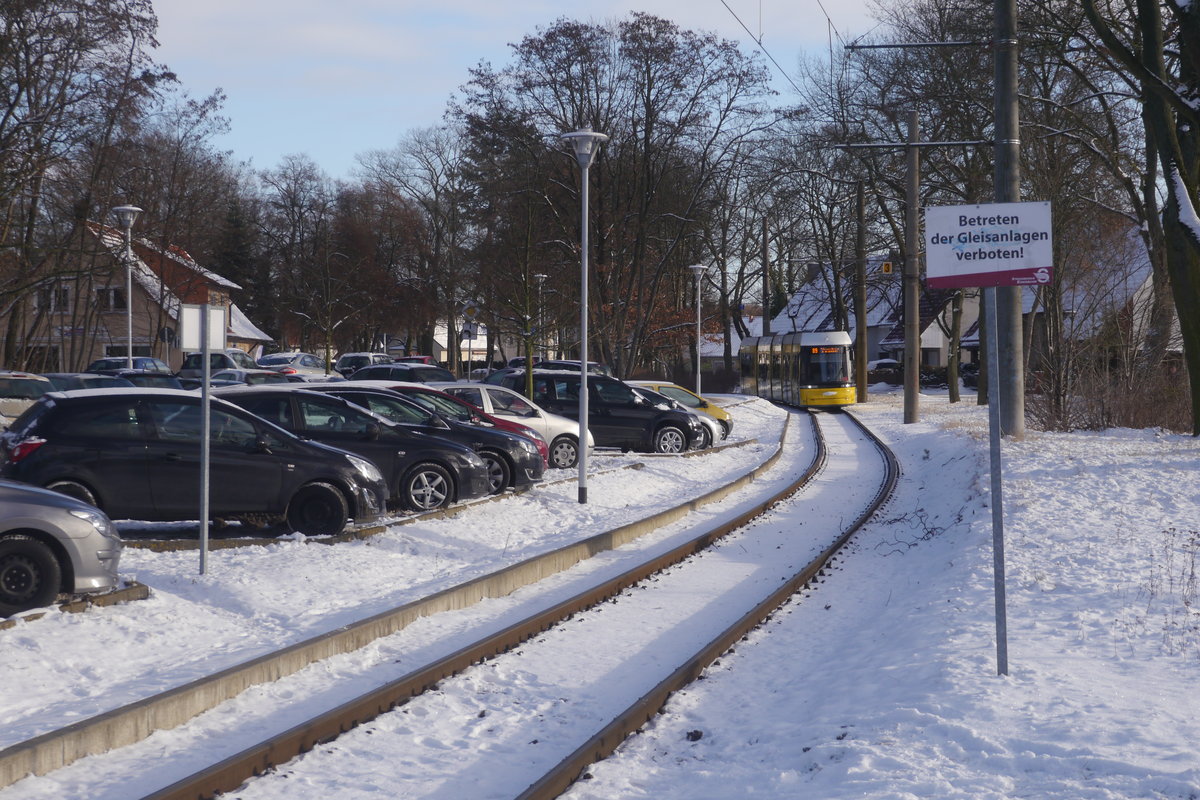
(190, 321)
(1000, 244)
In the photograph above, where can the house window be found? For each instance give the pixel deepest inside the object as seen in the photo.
(121, 350)
(110, 298)
(53, 298)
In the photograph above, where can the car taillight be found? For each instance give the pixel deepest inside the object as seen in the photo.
(289, 370)
(24, 448)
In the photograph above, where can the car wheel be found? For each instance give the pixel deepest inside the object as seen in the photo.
(30, 575)
(669, 439)
(499, 474)
(724, 428)
(318, 509)
(564, 452)
(706, 439)
(74, 489)
(426, 487)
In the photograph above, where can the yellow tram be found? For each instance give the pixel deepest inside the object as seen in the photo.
(807, 369)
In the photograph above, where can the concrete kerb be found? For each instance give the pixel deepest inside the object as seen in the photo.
(134, 722)
(131, 591)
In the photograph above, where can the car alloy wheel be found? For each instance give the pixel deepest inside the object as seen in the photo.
(499, 475)
(426, 487)
(669, 439)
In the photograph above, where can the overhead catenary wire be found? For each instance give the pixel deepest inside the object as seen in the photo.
(758, 41)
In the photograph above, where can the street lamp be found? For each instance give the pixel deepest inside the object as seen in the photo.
(698, 271)
(127, 214)
(586, 144)
(541, 314)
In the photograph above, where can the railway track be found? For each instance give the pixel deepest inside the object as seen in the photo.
(310, 732)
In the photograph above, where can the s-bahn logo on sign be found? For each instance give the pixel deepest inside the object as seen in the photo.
(1002, 244)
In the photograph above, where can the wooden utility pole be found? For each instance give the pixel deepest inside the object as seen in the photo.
(860, 295)
(766, 281)
(1008, 382)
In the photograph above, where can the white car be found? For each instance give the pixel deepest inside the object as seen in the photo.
(560, 432)
(18, 391)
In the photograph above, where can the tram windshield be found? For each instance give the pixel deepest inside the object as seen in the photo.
(827, 365)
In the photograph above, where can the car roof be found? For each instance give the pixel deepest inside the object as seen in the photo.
(649, 383)
(110, 391)
(16, 373)
(245, 388)
(383, 383)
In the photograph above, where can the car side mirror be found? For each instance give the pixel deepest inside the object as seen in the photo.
(372, 431)
(703, 404)
(261, 446)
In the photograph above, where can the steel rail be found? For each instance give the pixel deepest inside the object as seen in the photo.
(257, 759)
(560, 777)
(132, 723)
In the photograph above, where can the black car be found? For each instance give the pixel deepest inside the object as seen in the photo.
(416, 373)
(423, 472)
(617, 417)
(135, 454)
(112, 363)
(64, 381)
(148, 379)
(512, 460)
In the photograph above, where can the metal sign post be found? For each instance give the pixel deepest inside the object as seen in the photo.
(202, 326)
(1001, 244)
(205, 432)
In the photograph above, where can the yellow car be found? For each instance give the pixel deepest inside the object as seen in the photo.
(692, 401)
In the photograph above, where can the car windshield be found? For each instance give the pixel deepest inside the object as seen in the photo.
(686, 398)
(259, 377)
(195, 361)
(354, 361)
(336, 415)
(278, 358)
(23, 388)
(430, 374)
(392, 408)
(154, 381)
(441, 405)
(511, 403)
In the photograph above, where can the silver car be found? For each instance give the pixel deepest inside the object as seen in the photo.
(562, 433)
(51, 544)
(307, 365)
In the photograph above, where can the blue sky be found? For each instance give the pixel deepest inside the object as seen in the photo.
(333, 79)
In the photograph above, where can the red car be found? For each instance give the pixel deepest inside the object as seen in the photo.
(442, 403)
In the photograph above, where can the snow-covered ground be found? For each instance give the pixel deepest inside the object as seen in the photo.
(880, 682)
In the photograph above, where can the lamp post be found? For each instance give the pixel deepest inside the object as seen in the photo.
(698, 271)
(586, 143)
(541, 314)
(127, 214)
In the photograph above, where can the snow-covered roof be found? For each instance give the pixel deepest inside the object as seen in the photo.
(240, 326)
(810, 308)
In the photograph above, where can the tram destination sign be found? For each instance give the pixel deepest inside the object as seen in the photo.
(1001, 244)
